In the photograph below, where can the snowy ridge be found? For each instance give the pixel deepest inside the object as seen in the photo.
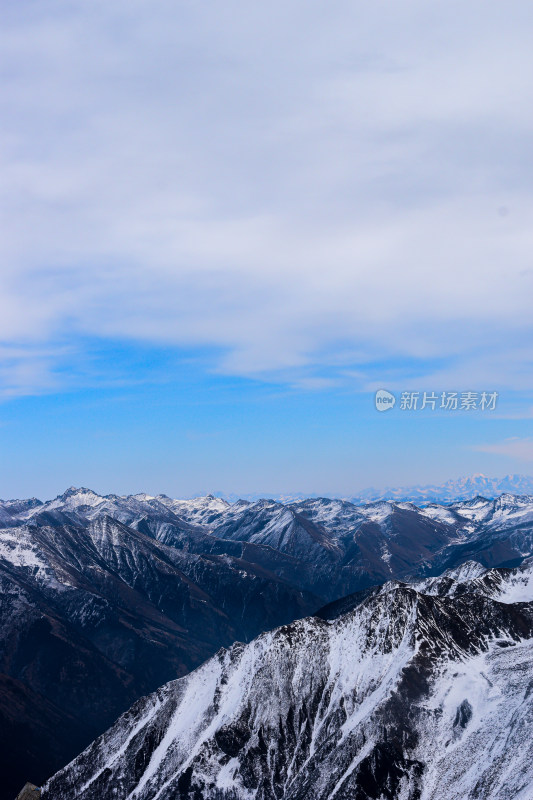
(503, 585)
(407, 695)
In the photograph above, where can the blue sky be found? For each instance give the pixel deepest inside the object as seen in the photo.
(223, 229)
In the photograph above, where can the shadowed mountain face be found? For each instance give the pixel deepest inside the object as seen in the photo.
(91, 618)
(103, 599)
(404, 695)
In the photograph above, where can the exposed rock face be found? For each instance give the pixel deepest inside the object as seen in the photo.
(405, 695)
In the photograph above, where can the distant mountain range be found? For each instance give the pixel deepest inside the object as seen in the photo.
(452, 491)
(105, 598)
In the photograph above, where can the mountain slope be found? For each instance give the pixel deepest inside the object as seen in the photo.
(407, 695)
(93, 617)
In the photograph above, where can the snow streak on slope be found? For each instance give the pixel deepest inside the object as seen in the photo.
(482, 745)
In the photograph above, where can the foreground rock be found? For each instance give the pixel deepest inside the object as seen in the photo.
(29, 792)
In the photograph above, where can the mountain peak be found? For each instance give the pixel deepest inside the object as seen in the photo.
(74, 490)
(78, 496)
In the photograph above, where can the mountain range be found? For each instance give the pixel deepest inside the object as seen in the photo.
(103, 599)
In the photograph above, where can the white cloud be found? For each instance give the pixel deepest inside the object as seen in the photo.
(521, 449)
(287, 183)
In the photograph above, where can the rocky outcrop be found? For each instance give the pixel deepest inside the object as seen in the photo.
(29, 792)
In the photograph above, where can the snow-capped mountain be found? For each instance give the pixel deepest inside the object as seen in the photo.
(452, 490)
(104, 598)
(407, 694)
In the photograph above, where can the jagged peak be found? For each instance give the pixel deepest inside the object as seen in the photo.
(74, 491)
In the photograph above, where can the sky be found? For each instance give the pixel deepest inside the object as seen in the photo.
(224, 226)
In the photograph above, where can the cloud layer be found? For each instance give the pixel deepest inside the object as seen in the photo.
(336, 194)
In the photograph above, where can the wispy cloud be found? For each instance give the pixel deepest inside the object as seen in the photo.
(514, 447)
(285, 184)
